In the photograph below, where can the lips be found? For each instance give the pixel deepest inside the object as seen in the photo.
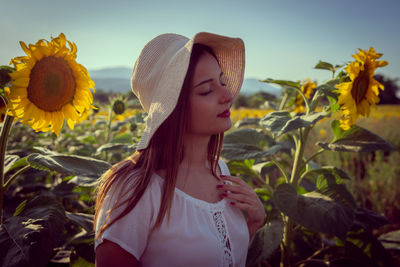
(225, 114)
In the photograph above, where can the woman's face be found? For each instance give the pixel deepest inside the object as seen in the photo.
(209, 98)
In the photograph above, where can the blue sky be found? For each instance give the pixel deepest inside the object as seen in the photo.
(284, 39)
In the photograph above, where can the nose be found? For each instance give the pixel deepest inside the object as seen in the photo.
(226, 96)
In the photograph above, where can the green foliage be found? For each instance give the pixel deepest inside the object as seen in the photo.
(281, 122)
(315, 203)
(266, 239)
(314, 210)
(49, 186)
(69, 164)
(28, 238)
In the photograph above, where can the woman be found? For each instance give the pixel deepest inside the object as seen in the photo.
(173, 203)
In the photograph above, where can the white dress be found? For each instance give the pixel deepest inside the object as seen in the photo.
(199, 233)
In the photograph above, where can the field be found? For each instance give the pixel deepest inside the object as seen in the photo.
(51, 178)
(376, 175)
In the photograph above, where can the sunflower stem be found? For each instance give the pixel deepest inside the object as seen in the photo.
(294, 181)
(5, 131)
(283, 102)
(109, 125)
(279, 165)
(305, 99)
(14, 176)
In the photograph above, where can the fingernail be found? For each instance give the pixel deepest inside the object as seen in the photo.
(219, 186)
(222, 175)
(232, 203)
(224, 194)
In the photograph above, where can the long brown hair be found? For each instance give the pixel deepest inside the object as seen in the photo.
(165, 151)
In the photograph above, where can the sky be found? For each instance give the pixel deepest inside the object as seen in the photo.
(284, 39)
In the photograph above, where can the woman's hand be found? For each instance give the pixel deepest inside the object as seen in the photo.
(244, 197)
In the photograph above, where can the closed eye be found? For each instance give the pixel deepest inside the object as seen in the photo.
(206, 93)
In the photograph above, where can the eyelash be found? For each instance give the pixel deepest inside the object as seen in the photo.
(209, 91)
(206, 93)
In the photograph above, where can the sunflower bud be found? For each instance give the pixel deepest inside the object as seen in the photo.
(118, 107)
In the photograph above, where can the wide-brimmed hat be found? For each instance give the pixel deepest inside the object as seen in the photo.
(161, 67)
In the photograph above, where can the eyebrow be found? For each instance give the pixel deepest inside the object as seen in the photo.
(207, 81)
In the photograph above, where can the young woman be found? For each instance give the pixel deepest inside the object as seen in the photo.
(174, 203)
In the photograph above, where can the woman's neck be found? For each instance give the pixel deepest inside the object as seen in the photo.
(196, 151)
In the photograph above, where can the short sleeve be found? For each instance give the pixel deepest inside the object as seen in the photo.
(131, 232)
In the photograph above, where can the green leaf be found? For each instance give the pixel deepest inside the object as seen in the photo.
(314, 210)
(332, 174)
(369, 220)
(20, 208)
(248, 136)
(29, 238)
(125, 138)
(328, 90)
(9, 162)
(333, 104)
(356, 139)
(266, 240)
(264, 168)
(247, 122)
(391, 240)
(115, 147)
(339, 193)
(281, 122)
(365, 242)
(324, 66)
(82, 219)
(78, 261)
(283, 83)
(69, 164)
(239, 167)
(263, 192)
(245, 151)
(84, 181)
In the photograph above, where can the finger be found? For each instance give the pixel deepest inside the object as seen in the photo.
(234, 179)
(236, 189)
(239, 197)
(242, 206)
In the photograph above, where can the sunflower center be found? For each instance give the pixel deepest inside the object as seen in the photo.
(52, 84)
(360, 85)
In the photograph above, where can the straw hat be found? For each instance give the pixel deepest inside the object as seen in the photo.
(161, 67)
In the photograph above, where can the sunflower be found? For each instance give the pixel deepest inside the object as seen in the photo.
(361, 92)
(49, 86)
(307, 88)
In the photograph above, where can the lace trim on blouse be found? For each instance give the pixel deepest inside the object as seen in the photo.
(224, 240)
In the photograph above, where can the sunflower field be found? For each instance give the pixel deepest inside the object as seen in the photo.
(321, 157)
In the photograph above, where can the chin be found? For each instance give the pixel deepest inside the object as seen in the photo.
(227, 127)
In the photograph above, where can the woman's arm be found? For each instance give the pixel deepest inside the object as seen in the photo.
(110, 254)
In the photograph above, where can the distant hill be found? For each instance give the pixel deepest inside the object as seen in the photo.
(118, 80)
(112, 79)
(251, 86)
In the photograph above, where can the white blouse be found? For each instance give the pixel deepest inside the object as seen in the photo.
(199, 233)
